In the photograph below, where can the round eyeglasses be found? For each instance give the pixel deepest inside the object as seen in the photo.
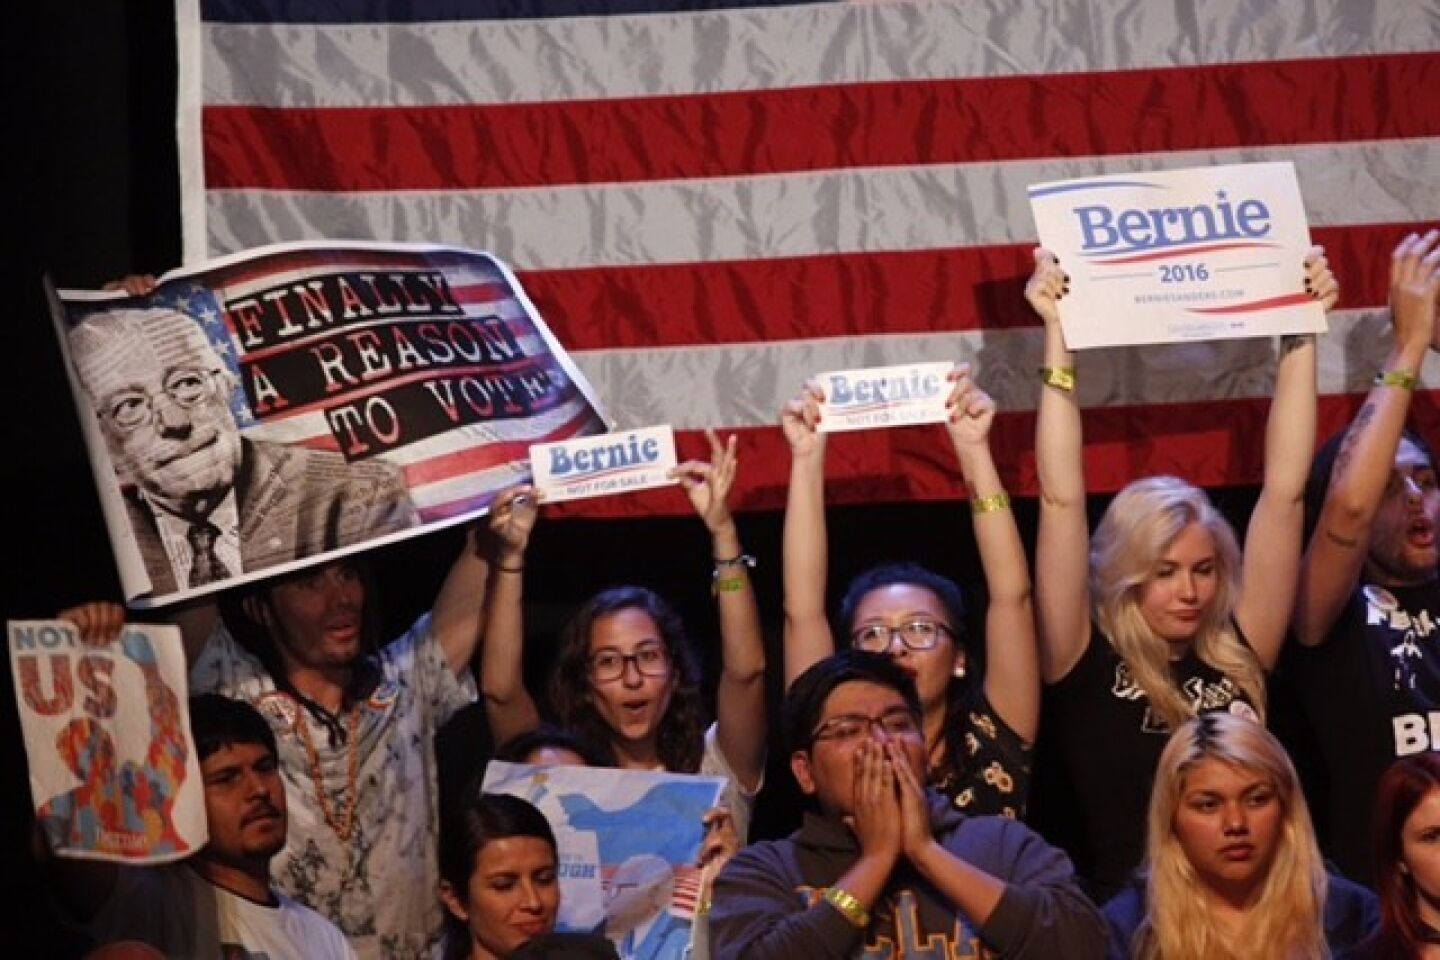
(650, 660)
(134, 407)
(915, 634)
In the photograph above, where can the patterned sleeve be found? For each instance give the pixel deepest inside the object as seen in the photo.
(227, 668)
(417, 659)
(996, 764)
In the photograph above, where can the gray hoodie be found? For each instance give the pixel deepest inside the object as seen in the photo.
(767, 901)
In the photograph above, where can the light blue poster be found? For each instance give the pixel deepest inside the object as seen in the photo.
(628, 844)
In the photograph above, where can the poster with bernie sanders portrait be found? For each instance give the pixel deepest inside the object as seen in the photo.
(270, 409)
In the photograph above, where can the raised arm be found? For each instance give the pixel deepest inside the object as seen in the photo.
(509, 708)
(740, 700)
(807, 631)
(1365, 462)
(1012, 667)
(82, 887)
(1271, 564)
(458, 614)
(98, 622)
(1062, 548)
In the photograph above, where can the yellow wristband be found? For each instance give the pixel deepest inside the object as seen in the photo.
(1061, 378)
(996, 501)
(850, 908)
(1403, 379)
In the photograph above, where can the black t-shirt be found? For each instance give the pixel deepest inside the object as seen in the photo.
(1109, 743)
(1370, 693)
(992, 776)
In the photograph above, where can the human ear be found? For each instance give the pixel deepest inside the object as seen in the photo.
(958, 671)
(800, 767)
(451, 899)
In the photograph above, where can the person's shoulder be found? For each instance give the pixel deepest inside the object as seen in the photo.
(567, 946)
(1345, 890)
(1126, 909)
(778, 857)
(321, 937)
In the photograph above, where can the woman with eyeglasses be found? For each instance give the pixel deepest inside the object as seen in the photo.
(1232, 867)
(977, 733)
(1158, 616)
(625, 678)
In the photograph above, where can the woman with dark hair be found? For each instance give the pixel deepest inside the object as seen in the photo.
(625, 678)
(977, 733)
(499, 883)
(1407, 861)
(550, 746)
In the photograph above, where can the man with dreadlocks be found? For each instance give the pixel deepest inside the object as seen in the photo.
(354, 723)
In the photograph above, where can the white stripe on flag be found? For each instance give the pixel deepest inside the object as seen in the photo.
(793, 215)
(526, 61)
(744, 385)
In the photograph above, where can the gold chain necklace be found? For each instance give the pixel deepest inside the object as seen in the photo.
(344, 824)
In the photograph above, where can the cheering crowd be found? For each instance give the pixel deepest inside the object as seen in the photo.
(1154, 650)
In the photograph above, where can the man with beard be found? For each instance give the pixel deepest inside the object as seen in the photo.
(218, 902)
(1366, 669)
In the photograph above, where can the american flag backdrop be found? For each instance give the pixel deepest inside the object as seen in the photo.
(709, 202)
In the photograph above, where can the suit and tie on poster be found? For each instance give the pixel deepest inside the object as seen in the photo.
(628, 844)
(272, 408)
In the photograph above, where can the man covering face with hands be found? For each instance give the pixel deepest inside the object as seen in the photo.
(885, 865)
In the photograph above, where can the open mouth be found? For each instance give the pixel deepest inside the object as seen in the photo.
(1420, 533)
(633, 709)
(345, 631)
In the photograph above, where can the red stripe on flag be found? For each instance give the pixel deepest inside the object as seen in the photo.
(838, 126)
(792, 298)
(472, 460)
(1210, 443)
(339, 259)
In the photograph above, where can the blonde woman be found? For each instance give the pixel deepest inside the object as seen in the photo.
(1159, 615)
(1233, 869)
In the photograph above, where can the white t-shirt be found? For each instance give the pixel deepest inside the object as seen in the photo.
(740, 801)
(379, 885)
(182, 914)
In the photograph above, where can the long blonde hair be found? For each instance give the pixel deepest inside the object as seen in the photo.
(1139, 526)
(1285, 921)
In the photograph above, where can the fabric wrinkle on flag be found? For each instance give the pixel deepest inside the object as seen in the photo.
(709, 202)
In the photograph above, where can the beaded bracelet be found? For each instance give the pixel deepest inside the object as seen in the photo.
(850, 908)
(1403, 379)
(730, 584)
(1061, 378)
(996, 501)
